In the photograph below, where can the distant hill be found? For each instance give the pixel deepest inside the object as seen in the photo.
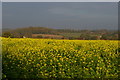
(65, 33)
(6, 29)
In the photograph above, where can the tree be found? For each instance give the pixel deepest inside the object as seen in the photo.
(40, 36)
(7, 34)
(71, 38)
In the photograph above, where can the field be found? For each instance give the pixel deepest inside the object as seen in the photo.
(47, 36)
(50, 58)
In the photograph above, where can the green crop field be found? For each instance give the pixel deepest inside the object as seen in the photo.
(50, 58)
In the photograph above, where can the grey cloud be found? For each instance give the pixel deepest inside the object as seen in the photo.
(61, 15)
(65, 11)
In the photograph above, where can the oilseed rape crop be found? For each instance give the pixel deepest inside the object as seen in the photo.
(50, 58)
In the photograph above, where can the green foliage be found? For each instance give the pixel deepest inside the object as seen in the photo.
(67, 33)
(7, 34)
(39, 36)
(50, 58)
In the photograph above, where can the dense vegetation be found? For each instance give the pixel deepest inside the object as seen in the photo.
(50, 58)
(67, 33)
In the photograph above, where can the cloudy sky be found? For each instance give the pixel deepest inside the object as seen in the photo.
(60, 0)
(70, 15)
(0, 17)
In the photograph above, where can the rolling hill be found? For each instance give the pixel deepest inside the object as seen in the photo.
(65, 33)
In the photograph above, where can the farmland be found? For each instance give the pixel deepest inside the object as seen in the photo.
(50, 58)
(44, 32)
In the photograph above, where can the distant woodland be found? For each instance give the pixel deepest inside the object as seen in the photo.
(43, 32)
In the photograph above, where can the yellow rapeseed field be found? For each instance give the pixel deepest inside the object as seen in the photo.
(50, 58)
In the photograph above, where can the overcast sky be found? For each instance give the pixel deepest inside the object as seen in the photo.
(77, 15)
(0, 16)
(60, 0)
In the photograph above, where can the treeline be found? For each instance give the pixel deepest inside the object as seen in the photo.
(20, 32)
(67, 33)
